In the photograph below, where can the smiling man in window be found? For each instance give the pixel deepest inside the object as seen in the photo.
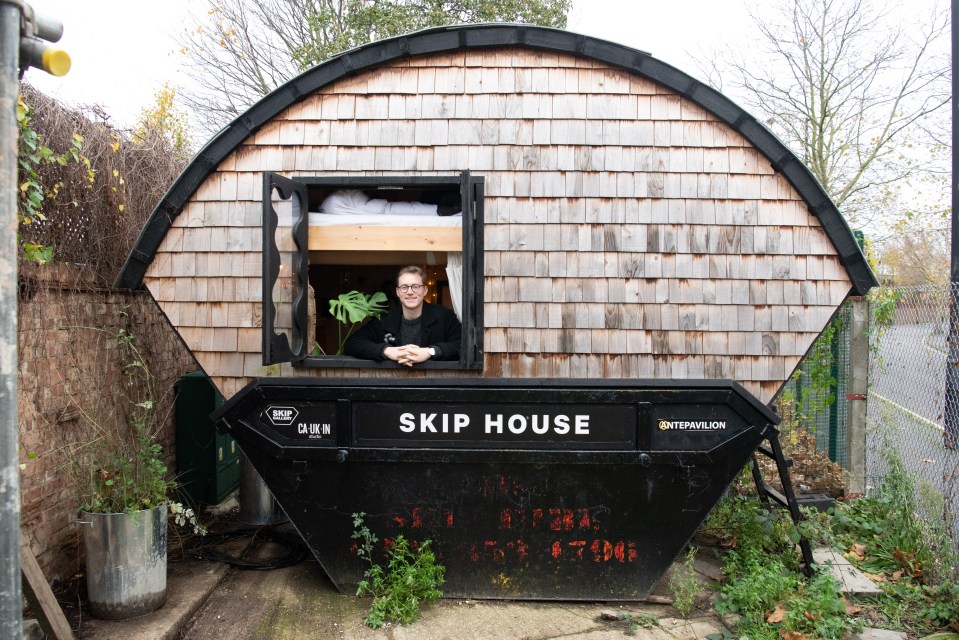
(415, 332)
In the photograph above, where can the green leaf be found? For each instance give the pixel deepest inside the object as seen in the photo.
(41, 254)
(354, 307)
(794, 535)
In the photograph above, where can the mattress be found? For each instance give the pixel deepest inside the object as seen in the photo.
(384, 220)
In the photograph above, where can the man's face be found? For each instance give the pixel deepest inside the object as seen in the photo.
(415, 291)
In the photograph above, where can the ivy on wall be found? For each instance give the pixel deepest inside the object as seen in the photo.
(32, 154)
(87, 187)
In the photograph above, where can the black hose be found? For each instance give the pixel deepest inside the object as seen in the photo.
(296, 551)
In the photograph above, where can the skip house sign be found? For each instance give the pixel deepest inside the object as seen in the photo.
(543, 419)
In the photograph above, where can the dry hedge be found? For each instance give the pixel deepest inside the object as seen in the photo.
(95, 214)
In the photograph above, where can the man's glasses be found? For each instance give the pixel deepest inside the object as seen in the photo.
(415, 288)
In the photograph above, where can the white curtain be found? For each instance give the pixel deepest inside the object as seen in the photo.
(454, 273)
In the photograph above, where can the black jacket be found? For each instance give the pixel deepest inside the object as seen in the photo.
(441, 330)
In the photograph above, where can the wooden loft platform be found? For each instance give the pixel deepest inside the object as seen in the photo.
(370, 258)
(383, 238)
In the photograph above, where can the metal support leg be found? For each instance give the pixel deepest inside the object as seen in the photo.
(787, 498)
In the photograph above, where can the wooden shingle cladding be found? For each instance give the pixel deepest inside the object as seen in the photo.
(628, 232)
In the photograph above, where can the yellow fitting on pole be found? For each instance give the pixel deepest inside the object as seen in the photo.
(38, 53)
(56, 62)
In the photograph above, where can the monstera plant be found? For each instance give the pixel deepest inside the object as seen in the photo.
(350, 310)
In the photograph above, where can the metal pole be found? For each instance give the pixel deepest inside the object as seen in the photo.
(834, 388)
(856, 390)
(11, 597)
(951, 432)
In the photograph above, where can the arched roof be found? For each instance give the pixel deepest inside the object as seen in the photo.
(480, 36)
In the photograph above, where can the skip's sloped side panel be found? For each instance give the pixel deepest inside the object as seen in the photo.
(628, 233)
(575, 532)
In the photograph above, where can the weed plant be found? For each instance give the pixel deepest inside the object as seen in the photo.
(127, 472)
(411, 578)
(908, 606)
(684, 585)
(742, 522)
(911, 557)
(117, 465)
(640, 620)
(887, 534)
(765, 587)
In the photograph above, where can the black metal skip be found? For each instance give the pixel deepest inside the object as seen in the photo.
(529, 489)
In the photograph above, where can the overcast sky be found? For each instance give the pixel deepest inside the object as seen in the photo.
(124, 50)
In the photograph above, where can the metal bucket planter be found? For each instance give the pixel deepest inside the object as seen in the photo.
(126, 562)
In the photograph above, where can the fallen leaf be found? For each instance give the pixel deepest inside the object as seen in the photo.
(858, 550)
(896, 575)
(875, 577)
(793, 635)
(812, 617)
(777, 615)
(903, 558)
(851, 609)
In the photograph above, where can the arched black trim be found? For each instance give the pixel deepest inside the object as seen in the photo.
(443, 39)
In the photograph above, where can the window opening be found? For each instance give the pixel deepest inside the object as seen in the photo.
(358, 232)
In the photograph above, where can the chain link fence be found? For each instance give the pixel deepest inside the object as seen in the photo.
(820, 387)
(908, 411)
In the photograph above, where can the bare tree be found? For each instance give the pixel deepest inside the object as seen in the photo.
(917, 258)
(236, 57)
(852, 91)
(240, 50)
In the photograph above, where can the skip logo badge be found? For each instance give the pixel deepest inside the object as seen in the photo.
(692, 425)
(281, 416)
(304, 422)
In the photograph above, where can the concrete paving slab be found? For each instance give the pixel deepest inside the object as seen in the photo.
(852, 579)
(692, 628)
(300, 602)
(879, 634)
(709, 566)
(211, 601)
(189, 584)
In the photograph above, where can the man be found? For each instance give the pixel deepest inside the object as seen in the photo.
(414, 333)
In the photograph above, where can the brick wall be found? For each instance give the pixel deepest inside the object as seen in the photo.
(70, 377)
